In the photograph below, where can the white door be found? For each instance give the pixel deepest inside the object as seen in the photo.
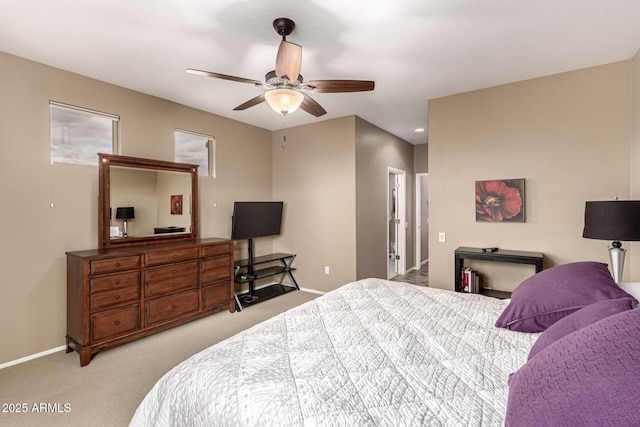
(422, 219)
(396, 224)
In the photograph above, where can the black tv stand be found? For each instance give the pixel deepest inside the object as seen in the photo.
(246, 272)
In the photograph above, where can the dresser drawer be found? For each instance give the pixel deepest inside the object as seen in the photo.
(166, 308)
(214, 269)
(215, 275)
(115, 281)
(171, 284)
(114, 323)
(171, 271)
(214, 296)
(217, 262)
(174, 255)
(111, 265)
(216, 250)
(113, 297)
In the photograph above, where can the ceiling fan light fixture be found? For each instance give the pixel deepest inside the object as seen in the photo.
(284, 101)
(284, 84)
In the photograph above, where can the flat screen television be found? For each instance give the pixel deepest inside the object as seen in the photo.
(256, 219)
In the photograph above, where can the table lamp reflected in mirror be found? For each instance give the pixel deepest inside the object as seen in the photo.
(125, 214)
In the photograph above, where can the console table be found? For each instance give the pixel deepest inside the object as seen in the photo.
(515, 257)
(245, 272)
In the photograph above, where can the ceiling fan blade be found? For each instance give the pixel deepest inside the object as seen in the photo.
(289, 60)
(311, 106)
(336, 86)
(250, 103)
(222, 76)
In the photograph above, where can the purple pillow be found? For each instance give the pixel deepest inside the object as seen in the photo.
(580, 319)
(552, 294)
(587, 378)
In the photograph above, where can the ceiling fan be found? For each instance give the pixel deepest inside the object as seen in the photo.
(286, 89)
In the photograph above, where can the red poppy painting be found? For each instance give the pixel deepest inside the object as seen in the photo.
(500, 200)
(176, 205)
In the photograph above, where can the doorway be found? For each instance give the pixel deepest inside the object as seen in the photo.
(422, 220)
(396, 222)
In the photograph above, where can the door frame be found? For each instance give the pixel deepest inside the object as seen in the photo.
(401, 215)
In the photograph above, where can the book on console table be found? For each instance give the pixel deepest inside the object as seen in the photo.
(470, 281)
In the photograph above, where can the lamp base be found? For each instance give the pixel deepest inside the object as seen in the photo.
(124, 234)
(616, 255)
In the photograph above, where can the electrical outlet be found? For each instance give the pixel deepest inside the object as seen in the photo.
(442, 237)
(326, 269)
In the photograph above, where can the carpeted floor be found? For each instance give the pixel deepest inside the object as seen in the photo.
(55, 391)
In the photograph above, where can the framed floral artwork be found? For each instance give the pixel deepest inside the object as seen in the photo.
(500, 200)
(176, 204)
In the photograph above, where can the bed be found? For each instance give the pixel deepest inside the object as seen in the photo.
(373, 352)
(563, 351)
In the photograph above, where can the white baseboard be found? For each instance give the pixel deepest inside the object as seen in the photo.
(313, 291)
(33, 356)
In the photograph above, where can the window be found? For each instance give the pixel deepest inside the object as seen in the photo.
(79, 134)
(197, 149)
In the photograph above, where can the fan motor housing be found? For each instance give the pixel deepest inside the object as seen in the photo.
(284, 26)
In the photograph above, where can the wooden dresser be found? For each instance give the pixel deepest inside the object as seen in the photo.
(118, 295)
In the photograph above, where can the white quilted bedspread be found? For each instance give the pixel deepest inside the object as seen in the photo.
(372, 353)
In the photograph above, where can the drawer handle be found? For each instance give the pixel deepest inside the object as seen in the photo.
(175, 271)
(117, 297)
(117, 322)
(217, 294)
(117, 264)
(174, 285)
(117, 282)
(175, 257)
(173, 307)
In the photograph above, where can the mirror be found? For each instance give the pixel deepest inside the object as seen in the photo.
(145, 201)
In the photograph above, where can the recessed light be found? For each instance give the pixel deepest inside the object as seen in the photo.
(418, 130)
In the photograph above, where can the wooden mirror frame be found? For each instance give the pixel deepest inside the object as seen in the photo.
(104, 196)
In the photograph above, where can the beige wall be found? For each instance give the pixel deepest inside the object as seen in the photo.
(421, 158)
(632, 261)
(376, 151)
(35, 236)
(314, 174)
(567, 135)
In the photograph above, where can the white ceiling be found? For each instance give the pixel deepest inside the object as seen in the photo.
(415, 50)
